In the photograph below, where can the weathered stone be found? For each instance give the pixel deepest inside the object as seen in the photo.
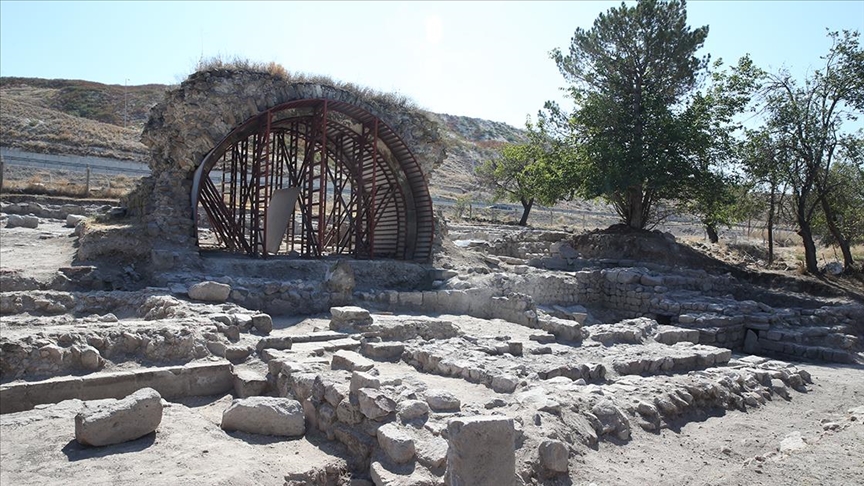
(360, 380)
(209, 291)
(249, 383)
(340, 278)
(792, 442)
(357, 315)
(553, 455)
(348, 413)
(504, 383)
(19, 221)
(481, 451)
(72, 220)
(611, 419)
(90, 358)
(431, 451)
(334, 393)
(751, 342)
(266, 416)
(237, 353)
(412, 409)
(375, 404)
(262, 323)
(396, 443)
(383, 351)
(351, 361)
(442, 401)
(106, 422)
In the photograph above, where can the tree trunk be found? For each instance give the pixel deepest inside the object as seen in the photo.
(526, 208)
(771, 206)
(838, 235)
(712, 233)
(809, 246)
(635, 218)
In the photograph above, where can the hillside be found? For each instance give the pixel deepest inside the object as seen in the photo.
(87, 118)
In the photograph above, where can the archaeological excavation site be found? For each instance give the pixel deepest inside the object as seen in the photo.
(282, 302)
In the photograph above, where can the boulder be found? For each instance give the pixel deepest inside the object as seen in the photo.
(553, 455)
(412, 409)
(266, 416)
(262, 323)
(442, 401)
(504, 383)
(106, 422)
(209, 291)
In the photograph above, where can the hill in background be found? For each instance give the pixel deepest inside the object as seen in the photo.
(60, 116)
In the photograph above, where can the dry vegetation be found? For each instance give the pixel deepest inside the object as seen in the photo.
(33, 128)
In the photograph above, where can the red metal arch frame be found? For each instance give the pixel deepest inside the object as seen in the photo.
(362, 192)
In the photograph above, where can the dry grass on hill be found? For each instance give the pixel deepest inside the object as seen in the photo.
(33, 128)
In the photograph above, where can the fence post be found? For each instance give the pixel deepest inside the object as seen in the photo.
(2, 169)
(87, 183)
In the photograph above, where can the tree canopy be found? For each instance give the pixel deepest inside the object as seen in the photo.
(639, 132)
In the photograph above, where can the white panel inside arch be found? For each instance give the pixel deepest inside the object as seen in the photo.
(279, 213)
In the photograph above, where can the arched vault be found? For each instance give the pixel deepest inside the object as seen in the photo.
(315, 177)
(261, 163)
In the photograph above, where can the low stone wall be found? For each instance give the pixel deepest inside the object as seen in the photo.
(196, 379)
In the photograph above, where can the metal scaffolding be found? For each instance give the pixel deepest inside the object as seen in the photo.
(361, 191)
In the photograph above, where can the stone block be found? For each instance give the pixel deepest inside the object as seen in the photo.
(351, 361)
(396, 443)
(383, 351)
(363, 380)
(107, 422)
(266, 416)
(209, 291)
(249, 383)
(375, 404)
(481, 451)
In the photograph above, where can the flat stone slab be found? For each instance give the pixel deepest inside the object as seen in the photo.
(351, 361)
(107, 422)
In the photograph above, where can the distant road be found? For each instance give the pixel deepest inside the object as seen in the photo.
(101, 165)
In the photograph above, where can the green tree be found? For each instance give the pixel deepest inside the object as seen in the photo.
(638, 128)
(806, 119)
(513, 175)
(845, 195)
(763, 159)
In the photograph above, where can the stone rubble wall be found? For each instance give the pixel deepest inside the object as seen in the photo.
(690, 299)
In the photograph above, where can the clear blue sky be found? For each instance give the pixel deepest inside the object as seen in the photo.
(482, 59)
